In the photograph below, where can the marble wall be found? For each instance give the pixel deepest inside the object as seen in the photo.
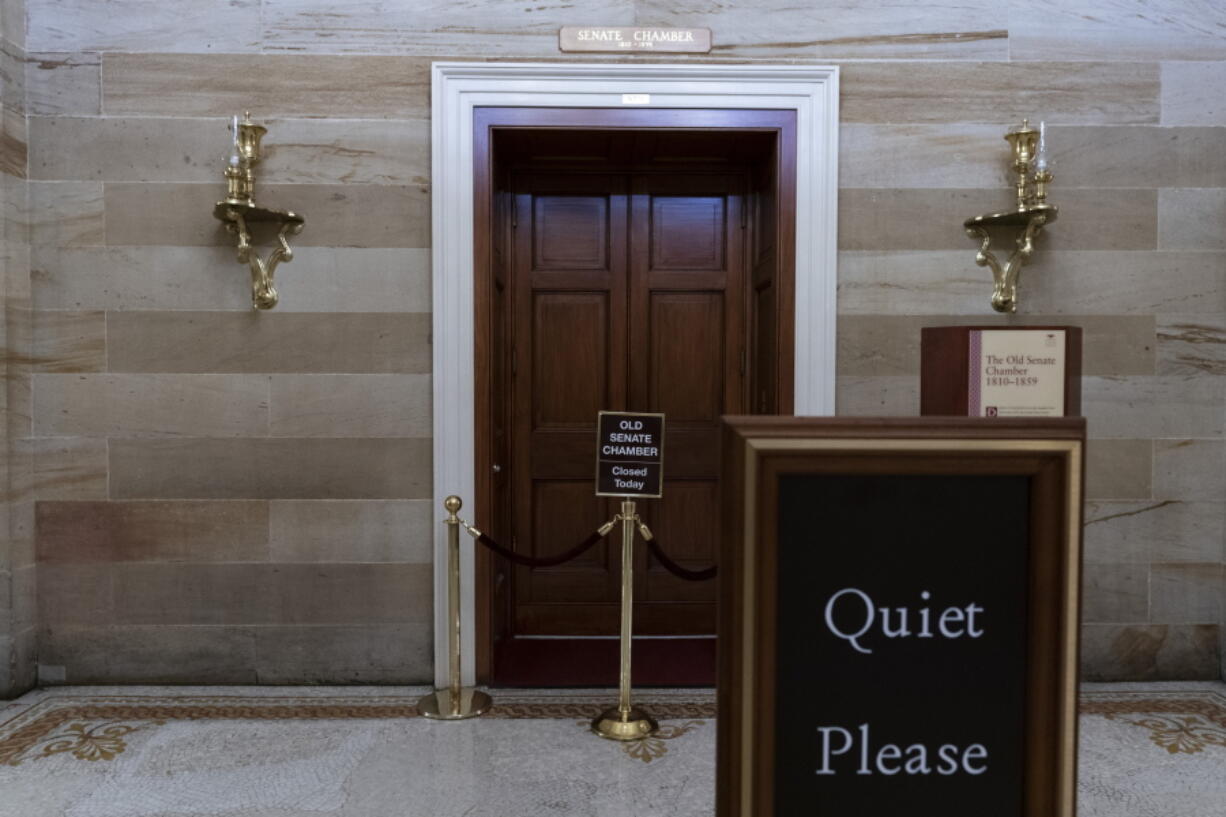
(239, 497)
(17, 563)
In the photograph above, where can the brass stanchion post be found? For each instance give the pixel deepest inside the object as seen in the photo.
(626, 722)
(456, 702)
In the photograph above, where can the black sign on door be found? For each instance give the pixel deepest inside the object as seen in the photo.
(629, 454)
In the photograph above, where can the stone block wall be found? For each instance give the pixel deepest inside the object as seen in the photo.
(17, 561)
(236, 497)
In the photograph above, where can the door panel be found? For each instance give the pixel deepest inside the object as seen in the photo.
(570, 358)
(570, 232)
(766, 285)
(496, 603)
(628, 293)
(687, 233)
(569, 306)
(765, 300)
(686, 356)
(687, 344)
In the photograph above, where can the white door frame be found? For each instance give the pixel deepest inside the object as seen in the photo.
(809, 90)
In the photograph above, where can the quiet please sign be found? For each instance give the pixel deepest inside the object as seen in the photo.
(899, 617)
(917, 617)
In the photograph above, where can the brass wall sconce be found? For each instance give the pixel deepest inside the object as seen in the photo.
(1033, 168)
(239, 211)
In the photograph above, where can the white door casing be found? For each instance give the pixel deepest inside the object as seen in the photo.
(809, 90)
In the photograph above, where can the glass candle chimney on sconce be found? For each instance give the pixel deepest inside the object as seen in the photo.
(1032, 167)
(239, 210)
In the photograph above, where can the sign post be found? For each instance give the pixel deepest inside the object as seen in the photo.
(629, 463)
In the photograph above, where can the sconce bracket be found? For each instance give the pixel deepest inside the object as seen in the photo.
(237, 215)
(1029, 221)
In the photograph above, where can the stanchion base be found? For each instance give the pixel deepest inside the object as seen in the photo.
(438, 706)
(636, 725)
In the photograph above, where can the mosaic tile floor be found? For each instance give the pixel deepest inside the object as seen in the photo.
(1146, 750)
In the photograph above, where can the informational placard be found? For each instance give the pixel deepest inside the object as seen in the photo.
(899, 617)
(1016, 373)
(629, 454)
(621, 39)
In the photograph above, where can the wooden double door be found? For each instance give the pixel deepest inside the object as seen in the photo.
(627, 292)
(636, 260)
